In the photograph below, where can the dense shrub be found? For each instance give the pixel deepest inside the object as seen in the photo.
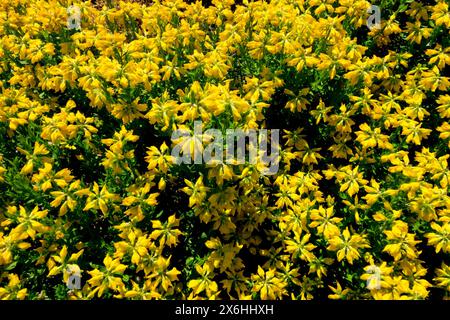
(88, 184)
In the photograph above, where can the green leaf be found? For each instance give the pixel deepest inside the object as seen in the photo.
(11, 266)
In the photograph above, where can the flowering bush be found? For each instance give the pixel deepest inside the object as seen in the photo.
(359, 206)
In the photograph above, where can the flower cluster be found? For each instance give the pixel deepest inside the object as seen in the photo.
(358, 209)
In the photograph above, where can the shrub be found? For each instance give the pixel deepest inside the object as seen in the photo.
(358, 208)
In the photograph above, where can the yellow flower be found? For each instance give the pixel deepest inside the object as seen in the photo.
(138, 199)
(159, 160)
(347, 246)
(166, 232)
(224, 256)
(300, 248)
(401, 243)
(439, 55)
(338, 292)
(108, 278)
(2, 171)
(8, 244)
(162, 275)
(13, 290)
(443, 277)
(99, 199)
(29, 223)
(146, 292)
(204, 283)
(323, 220)
(369, 138)
(128, 112)
(66, 197)
(60, 263)
(197, 191)
(352, 179)
(441, 238)
(135, 244)
(268, 285)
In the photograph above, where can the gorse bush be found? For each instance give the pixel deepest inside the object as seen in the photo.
(359, 206)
